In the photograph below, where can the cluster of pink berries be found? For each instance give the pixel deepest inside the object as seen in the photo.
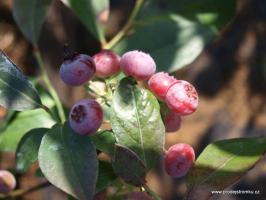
(180, 96)
(86, 116)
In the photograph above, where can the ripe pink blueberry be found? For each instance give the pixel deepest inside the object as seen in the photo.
(178, 160)
(159, 84)
(172, 122)
(107, 63)
(86, 117)
(7, 181)
(77, 69)
(138, 64)
(182, 98)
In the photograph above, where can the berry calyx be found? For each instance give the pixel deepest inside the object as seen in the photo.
(159, 84)
(77, 69)
(182, 98)
(7, 181)
(178, 160)
(86, 117)
(138, 64)
(172, 122)
(107, 63)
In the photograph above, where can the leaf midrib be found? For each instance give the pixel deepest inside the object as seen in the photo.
(139, 125)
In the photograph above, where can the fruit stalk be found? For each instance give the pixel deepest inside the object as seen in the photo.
(50, 88)
(126, 28)
(21, 192)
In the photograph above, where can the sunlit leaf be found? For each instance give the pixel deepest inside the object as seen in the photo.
(222, 163)
(137, 122)
(172, 41)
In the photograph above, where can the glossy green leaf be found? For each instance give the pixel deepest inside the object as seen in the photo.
(92, 14)
(16, 91)
(28, 147)
(29, 16)
(104, 141)
(69, 161)
(128, 166)
(24, 122)
(137, 122)
(106, 176)
(173, 41)
(222, 163)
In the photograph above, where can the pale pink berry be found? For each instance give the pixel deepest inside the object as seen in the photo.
(107, 63)
(138, 64)
(86, 117)
(182, 98)
(7, 181)
(172, 122)
(159, 84)
(77, 69)
(179, 159)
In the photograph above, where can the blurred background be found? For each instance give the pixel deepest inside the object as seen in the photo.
(228, 69)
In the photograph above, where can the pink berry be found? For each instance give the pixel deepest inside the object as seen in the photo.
(159, 84)
(178, 160)
(86, 117)
(107, 63)
(7, 181)
(77, 69)
(182, 98)
(138, 196)
(172, 122)
(138, 64)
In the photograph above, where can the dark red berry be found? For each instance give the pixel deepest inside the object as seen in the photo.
(172, 122)
(182, 98)
(107, 63)
(77, 69)
(86, 117)
(178, 160)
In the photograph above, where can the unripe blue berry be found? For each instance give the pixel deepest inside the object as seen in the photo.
(86, 117)
(77, 69)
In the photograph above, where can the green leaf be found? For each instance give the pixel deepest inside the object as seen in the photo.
(128, 166)
(106, 176)
(173, 41)
(29, 16)
(69, 161)
(137, 122)
(28, 147)
(104, 141)
(215, 13)
(24, 122)
(222, 163)
(91, 12)
(16, 91)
